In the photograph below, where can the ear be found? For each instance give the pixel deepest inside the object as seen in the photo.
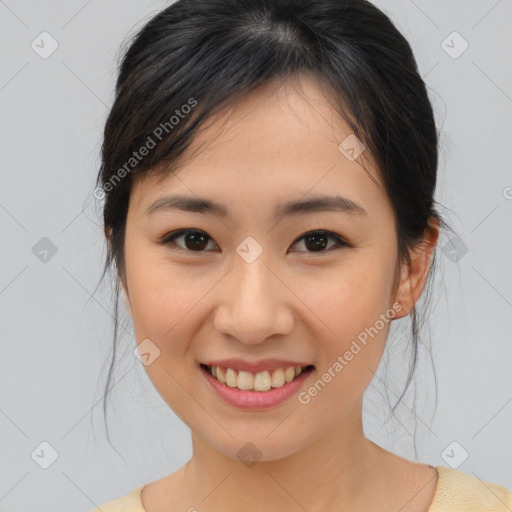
(126, 299)
(413, 280)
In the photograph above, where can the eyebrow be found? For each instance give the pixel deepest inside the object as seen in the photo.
(315, 204)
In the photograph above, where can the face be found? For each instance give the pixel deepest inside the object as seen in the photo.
(255, 282)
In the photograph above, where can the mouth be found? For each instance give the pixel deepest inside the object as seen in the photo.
(260, 382)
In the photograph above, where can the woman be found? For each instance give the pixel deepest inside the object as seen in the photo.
(269, 170)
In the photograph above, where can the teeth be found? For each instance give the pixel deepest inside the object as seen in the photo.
(245, 380)
(221, 376)
(261, 381)
(289, 374)
(278, 379)
(231, 378)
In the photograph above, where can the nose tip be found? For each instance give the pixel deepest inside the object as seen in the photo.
(253, 304)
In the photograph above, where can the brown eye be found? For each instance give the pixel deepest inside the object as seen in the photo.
(197, 241)
(317, 241)
(194, 240)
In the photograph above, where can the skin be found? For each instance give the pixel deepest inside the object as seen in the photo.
(279, 143)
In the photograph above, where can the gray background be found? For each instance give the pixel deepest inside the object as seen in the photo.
(56, 337)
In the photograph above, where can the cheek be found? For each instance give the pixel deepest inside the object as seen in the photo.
(348, 298)
(350, 307)
(165, 309)
(163, 295)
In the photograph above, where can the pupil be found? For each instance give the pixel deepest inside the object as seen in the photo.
(316, 246)
(198, 241)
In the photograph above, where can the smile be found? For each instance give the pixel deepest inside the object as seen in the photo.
(259, 382)
(246, 390)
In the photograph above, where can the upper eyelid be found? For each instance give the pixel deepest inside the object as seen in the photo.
(169, 237)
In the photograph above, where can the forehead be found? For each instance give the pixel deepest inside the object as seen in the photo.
(279, 142)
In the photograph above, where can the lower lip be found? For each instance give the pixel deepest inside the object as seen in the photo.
(256, 399)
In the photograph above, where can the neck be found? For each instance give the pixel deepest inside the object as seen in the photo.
(340, 467)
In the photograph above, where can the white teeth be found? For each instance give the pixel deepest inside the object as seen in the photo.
(245, 380)
(231, 378)
(261, 381)
(277, 378)
(289, 374)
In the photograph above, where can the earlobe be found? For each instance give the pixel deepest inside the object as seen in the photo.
(403, 294)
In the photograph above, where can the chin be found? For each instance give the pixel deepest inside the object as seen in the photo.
(258, 446)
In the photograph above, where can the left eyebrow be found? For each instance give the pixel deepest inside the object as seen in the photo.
(320, 204)
(315, 204)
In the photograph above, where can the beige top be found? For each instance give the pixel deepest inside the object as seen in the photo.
(455, 492)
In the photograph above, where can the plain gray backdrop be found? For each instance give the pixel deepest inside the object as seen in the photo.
(57, 336)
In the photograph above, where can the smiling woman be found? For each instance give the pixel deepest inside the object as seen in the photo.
(265, 243)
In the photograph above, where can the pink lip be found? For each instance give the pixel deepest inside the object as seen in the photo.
(256, 366)
(255, 399)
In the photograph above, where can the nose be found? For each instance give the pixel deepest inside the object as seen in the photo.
(254, 303)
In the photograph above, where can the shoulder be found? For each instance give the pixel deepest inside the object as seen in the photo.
(458, 492)
(130, 502)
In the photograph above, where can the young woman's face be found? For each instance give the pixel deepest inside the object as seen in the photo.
(253, 287)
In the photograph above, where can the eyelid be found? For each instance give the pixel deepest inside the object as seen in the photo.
(340, 241)
(168, 239)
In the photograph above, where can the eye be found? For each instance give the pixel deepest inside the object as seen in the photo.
(318, 240)
(194, 239)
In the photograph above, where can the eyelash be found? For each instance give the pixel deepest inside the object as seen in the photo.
(170, 237)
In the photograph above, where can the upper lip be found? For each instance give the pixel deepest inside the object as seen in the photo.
(255, 366)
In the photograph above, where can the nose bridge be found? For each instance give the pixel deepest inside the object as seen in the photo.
(252, 285)
(253, 304)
